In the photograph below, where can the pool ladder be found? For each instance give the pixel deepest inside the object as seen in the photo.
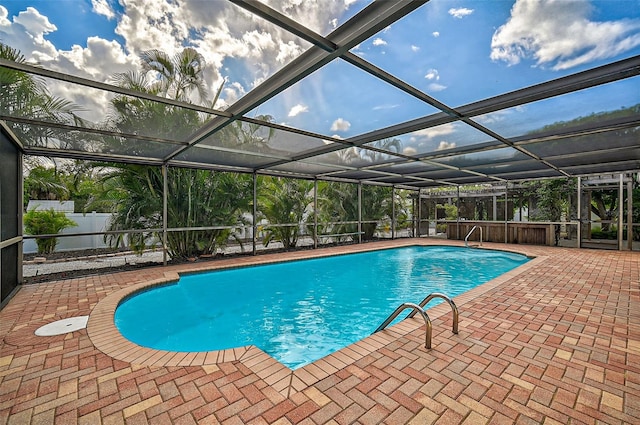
(419, 308)
(466, 239)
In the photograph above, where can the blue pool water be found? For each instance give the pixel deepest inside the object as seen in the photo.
(301, 311)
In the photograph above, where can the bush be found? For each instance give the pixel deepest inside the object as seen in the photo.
(598, 233)
(46, 222)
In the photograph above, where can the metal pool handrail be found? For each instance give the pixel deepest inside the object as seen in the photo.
(416, 309)
(466, 239)
(454, 308)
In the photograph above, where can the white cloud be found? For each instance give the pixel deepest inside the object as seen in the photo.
(460, 12)
(432, 133)
(432, 74)
(98, 60)
(298, 109)
(230, 93)
(432, 139)
(415, 48)
(320, 16)
(237, 45)
(409, 150)
(379, 42)
(26, 32)
(340, 125)
(102, 7)
(436, 34)
(436, 87)
(385, 106)
(560, 34)
(4, 13)
(445, 145)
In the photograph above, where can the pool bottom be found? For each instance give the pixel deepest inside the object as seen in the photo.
(105, 336)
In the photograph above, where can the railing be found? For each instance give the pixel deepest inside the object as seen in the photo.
(454, 308)
(419, 308)
(466, 239)
(416, 309)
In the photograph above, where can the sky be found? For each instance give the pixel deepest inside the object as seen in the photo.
(458, 51)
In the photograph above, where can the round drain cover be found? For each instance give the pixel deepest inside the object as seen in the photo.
(63, 326)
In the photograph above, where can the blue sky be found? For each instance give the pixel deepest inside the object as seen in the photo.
(456, 51)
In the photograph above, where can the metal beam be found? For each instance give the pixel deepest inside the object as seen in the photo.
(374, 18)
(59, 76)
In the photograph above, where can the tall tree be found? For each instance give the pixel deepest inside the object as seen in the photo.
(26, 96)
(197, 198)
(284, 201)
(339, 202)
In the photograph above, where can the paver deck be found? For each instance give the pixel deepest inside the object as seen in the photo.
(556, 341)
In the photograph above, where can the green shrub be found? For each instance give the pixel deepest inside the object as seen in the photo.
(598, 233)
(46, 222)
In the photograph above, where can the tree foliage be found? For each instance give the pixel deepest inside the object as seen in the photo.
(196, 198)
(548, 198)
(26, 96)
(46, 222)
(339, 202)
(284, 201)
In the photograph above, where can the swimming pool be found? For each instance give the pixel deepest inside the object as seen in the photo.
(301, 311)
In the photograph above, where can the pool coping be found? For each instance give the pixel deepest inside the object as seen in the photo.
(107, 338)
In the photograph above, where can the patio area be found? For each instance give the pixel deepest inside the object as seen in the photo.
(556, 341)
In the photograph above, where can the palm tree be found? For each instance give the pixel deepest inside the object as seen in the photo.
(197, 198)
(177, 77)
(339, 202)
(248, 136)
(391, 145)
(45, 183)
(26, 96)
(284, 201)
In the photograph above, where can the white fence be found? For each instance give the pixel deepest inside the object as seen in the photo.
(89, 222)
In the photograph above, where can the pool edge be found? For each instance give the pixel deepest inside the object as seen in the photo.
(105, 336)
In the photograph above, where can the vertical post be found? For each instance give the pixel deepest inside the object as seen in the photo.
(255, 213)
(20, 206)
(495, 208)
(506, 215)
(620, 211)
(419, 221)
(393, 212)
(165, 211)
(458, 212)
(630, 214)
(579, 212)
(359, 212)
(315, 213)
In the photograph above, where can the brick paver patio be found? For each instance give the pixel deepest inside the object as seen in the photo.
(556, 341)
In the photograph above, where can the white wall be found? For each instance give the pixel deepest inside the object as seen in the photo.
(89, 222)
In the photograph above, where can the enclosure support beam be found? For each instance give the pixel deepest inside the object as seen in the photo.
(579, 212)
(620, 212)
(165, 208)
(254, 223)
(629, 213)
(458, 212)
(315, 213)
(419, 209)
(360, 212)
(506, 215)
(393, 212)
(20, 271)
